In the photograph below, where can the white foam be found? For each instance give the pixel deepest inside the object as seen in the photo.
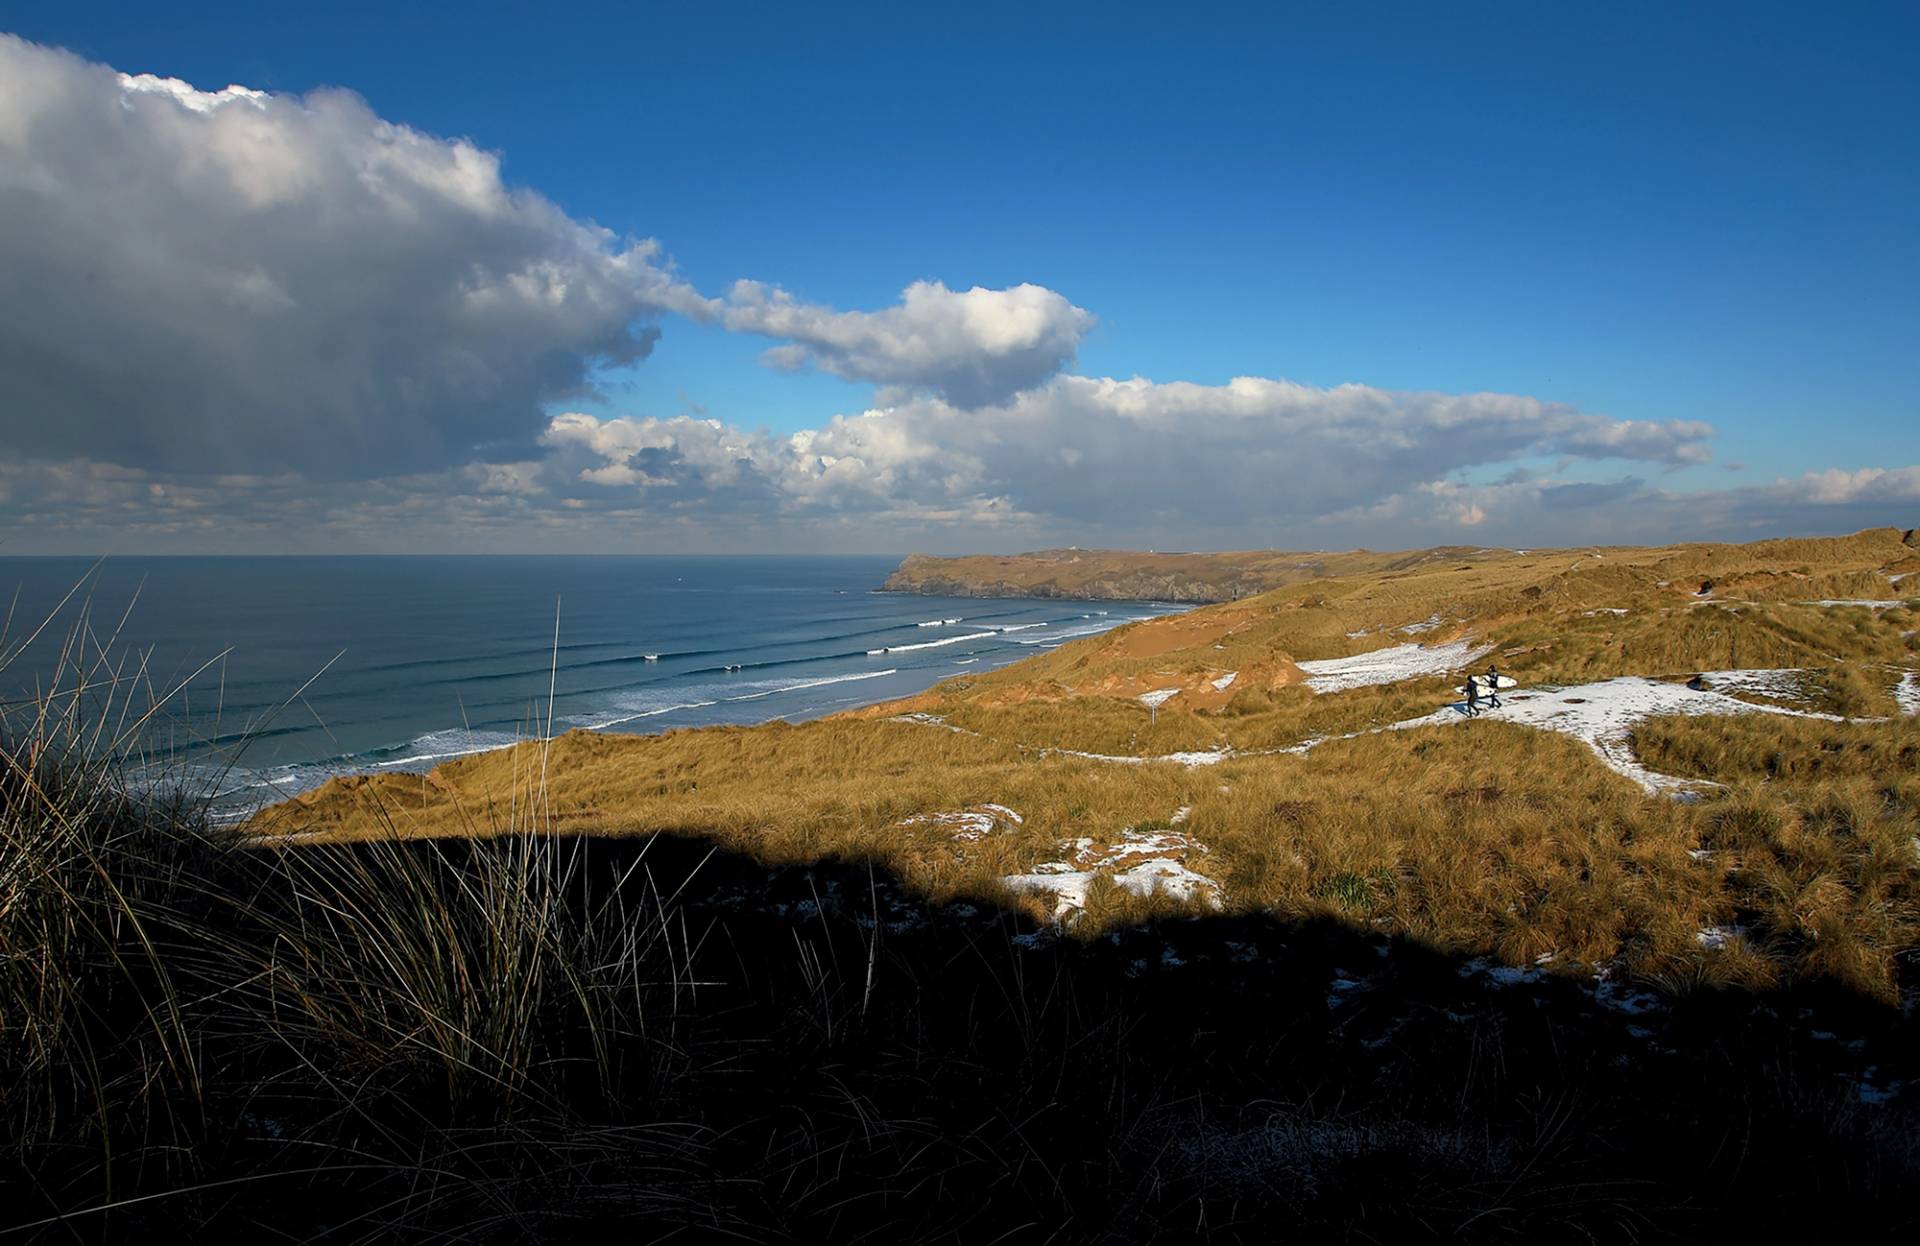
(1390, 665)
(603, 724)
(1020, 627)
(932, 644)
(1058, 637)
(776, 686)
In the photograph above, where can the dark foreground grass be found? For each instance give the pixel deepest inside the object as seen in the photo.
(527, 1038)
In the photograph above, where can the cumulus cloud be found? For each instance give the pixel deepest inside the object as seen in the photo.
(238, 320)
(1543, 510)
(1112, 453)
(969, 348)
(234, 281)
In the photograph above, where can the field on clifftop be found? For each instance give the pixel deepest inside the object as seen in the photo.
(1303, 754)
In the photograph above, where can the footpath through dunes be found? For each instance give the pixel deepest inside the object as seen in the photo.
(1305, 753)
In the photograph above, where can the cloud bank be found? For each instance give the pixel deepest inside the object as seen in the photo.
(239, 282)
(240, 321)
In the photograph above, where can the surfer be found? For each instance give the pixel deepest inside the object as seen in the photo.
(1473, 695)
(1493, 685)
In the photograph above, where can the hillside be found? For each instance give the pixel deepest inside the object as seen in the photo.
(1122, 575)
(1709, 772)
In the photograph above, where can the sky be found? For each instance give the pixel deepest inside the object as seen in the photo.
(730, 278)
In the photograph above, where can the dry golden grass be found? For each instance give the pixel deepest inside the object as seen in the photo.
(1487, 838)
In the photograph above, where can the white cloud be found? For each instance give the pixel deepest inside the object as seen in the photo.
(966, 347)
(1897, 484)
(235, 319)
(1118, 454)
(236, 281)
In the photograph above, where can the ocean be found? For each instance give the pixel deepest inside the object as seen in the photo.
(290, 670)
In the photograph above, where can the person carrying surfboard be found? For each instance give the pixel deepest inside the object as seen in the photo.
(1473, 696)
(1493, 685)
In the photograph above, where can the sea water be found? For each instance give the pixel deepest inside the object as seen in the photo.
(279, 672)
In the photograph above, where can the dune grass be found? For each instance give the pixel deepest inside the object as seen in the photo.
(465, 1004)
(1490, 839)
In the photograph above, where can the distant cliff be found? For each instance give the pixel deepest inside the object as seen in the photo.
(1105, 575)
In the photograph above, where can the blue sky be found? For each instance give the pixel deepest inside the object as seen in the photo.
(1647, 212)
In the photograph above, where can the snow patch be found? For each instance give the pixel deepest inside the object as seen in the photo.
(1781, 685)
(1158, 697)
(967, 825)
(1391, 665)
(1907, 694)
(1225, 681)
(1714, 937)
(1868, 604)
(1602, 716)
(1140, 862)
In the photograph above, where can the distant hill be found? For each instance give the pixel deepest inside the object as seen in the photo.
(1129, 575)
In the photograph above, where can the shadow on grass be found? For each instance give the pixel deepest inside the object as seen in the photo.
(813, 1054)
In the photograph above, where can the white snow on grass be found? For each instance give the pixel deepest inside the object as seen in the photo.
(1391, 665)
(1780, 684)
(1158, 697)
(1714, 937)
(1225, 681)
(1907, 694)
(1425, 625)
(1863, 602)
(1602, 716)
(1171, 878)
(1212, 757)
(1140, 862)
(968, 825)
